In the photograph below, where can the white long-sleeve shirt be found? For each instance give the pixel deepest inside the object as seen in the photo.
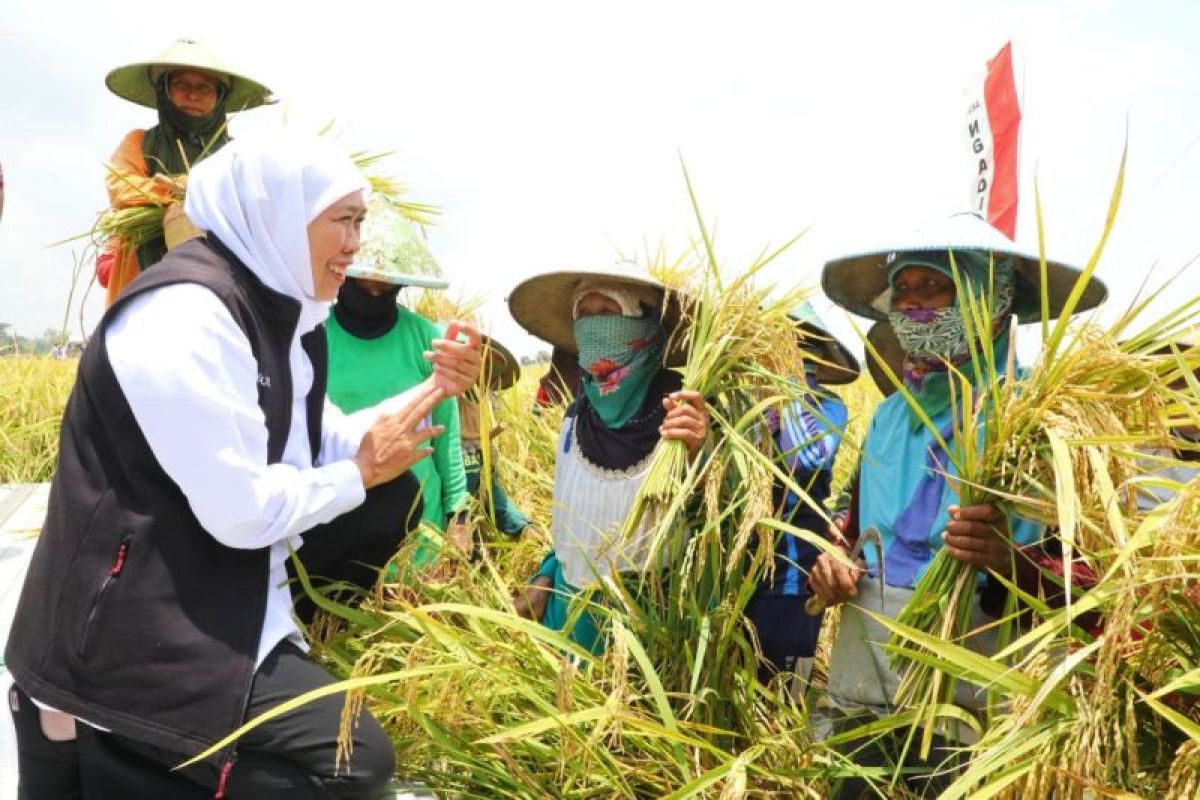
(190, 378)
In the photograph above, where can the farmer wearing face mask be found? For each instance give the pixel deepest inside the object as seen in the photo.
(377, 347)
(900, 489)
(618, 322)
(192, 90)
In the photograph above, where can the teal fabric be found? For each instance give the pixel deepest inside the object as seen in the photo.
(934, 393)
(619, 357)
(976, 269)
(586, 631)
(894, 462)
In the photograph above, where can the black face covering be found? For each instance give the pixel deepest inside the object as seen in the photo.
(196, 136)
(364, 315)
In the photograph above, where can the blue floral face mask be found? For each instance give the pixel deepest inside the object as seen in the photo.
(619, 356)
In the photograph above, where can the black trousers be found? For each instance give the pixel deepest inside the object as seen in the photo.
(785, 631)
(292, 756)
(919, 777)
(48, 769)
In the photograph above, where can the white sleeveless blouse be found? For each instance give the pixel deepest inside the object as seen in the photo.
(590, 506)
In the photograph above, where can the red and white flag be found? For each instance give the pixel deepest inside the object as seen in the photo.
(993, 134)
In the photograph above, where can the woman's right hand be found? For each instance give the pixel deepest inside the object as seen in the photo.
(531, 602)
(393, 443)
(834, 581)
(456, 365)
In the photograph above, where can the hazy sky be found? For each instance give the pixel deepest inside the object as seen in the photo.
(550, 132)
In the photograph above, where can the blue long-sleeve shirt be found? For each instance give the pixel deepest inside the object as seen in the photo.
(810, 432)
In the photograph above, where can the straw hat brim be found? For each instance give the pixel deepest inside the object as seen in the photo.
(883, 339)
(501, 367)
(135, 82)
(543, 305)
(420, 281)
(836, 365)
(857, 280)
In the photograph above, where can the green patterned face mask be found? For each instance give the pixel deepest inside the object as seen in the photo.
(940, 335)
(619, 357)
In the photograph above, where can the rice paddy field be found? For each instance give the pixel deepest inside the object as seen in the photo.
(1099, 697)
(33, 393)
(481, 703)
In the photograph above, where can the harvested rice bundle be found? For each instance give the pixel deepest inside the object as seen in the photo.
(1056, 447)
(137, 224)
(1116, 707)
(741, 347)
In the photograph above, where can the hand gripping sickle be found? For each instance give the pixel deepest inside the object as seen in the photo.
(815, 604)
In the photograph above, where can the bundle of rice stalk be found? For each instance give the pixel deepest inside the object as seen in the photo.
(1118, 711)
(740, 341)
(1052, 447)
(137, 224)
(442, 306)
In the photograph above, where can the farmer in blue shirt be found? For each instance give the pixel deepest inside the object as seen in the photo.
(901, 488)
(807, 435)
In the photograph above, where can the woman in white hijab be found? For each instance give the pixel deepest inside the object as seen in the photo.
(198, 451)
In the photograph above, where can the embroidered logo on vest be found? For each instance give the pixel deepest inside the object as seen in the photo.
(264, 381)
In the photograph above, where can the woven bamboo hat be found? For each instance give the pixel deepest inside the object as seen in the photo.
(883, 340)
(394, 250)
(834, 363)
(859, 282)
(544, 304)
(500, 367)
(135, 82)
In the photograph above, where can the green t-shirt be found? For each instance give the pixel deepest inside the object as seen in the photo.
(363, 372)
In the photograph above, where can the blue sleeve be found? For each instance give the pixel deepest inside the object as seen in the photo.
(811, 434)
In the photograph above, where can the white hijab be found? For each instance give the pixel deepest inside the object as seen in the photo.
(258, 194)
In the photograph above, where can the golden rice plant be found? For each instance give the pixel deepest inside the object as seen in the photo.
(483, 703)
(137, 224)
(1074, 711)
(1112, 711)
(33, 393)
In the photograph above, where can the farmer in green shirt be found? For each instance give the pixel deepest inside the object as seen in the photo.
(376, 349)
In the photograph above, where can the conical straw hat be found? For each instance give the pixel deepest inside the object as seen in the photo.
(856, 282)
(837, 364)
(544, 304)
(500, 368)
(883, 340)
(135, 82)
(394, 250)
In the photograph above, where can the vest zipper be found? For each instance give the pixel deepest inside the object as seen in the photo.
(226, 768)
(114, 573)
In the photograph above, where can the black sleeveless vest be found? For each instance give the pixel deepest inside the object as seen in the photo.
(132, 617)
